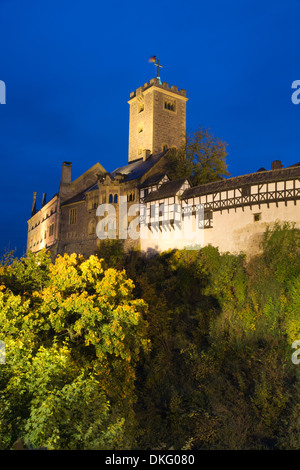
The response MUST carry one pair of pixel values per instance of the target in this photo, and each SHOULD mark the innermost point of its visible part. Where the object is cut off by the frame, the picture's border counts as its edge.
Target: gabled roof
(295, 164)
(259, 177)
(152, 180)
(167, 189)
(137, 168)
(79, 197)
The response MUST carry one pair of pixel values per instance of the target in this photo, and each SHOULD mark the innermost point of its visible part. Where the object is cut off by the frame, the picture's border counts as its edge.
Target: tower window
(170, 105)
(257, 217)
(115, 199)
(141, 107)
(140, 129)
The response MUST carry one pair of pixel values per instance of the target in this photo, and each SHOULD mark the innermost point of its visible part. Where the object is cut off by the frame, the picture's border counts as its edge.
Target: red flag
(152, 59)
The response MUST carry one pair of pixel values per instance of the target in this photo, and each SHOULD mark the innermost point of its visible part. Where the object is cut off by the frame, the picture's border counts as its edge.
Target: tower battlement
(156, 82)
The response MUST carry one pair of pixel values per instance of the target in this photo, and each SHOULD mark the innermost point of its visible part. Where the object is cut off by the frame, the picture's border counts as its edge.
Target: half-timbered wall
(234, 219)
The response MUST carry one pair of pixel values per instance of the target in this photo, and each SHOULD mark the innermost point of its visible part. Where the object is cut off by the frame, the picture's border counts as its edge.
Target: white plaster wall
(234, 230)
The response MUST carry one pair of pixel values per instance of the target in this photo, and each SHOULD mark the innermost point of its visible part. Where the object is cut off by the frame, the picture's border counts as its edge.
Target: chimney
(65, 179)
(66, 173)
(146, 154)
(33, 210)
(276, 165)
(44, 199)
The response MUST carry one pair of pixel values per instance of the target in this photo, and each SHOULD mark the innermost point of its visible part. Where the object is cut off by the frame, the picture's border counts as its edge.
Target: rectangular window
(208, 215)
(51, 230)
(245, 191)
(257, 217)
(72, 216)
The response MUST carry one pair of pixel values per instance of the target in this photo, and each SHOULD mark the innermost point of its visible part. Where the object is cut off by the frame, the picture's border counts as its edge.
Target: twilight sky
(69, 67)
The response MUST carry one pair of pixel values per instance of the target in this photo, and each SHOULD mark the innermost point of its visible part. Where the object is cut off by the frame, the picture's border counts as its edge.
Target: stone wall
(157, 119)
(43, 225)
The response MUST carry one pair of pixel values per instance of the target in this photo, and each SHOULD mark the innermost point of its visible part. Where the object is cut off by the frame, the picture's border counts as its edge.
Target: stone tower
(157, 119)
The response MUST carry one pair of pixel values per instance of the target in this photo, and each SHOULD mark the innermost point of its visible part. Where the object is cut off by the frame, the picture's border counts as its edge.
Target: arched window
(115, 199)
(110, 199)
(170, 105)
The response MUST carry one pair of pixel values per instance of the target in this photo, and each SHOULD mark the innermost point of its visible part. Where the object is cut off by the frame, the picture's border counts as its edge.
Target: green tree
(71, 352)
(202, 158)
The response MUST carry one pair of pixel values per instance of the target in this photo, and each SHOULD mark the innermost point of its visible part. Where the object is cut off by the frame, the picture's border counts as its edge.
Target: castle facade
(234, 212)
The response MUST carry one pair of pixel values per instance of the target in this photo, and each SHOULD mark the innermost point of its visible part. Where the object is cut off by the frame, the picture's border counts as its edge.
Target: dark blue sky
(69, 67)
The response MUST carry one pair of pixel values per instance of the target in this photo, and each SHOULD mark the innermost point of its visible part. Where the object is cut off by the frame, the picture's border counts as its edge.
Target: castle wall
(78, 229)
(233, 222)
(233, 231)
(237, 231)
(42, 227)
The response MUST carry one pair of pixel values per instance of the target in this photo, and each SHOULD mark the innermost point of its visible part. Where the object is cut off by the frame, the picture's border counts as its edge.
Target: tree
(71, 349)
(202, 158)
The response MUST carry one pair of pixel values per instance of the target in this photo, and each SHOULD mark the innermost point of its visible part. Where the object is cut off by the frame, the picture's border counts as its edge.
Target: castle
(235, 211)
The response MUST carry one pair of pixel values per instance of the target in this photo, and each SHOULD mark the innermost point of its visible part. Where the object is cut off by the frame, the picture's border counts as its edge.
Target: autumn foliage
(184, 350)
(72, 346)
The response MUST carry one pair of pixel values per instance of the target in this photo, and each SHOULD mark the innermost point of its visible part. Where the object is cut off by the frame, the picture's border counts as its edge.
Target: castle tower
(157, 119)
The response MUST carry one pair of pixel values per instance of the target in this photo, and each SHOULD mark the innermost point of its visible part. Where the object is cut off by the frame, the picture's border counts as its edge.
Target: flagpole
(157, 66)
